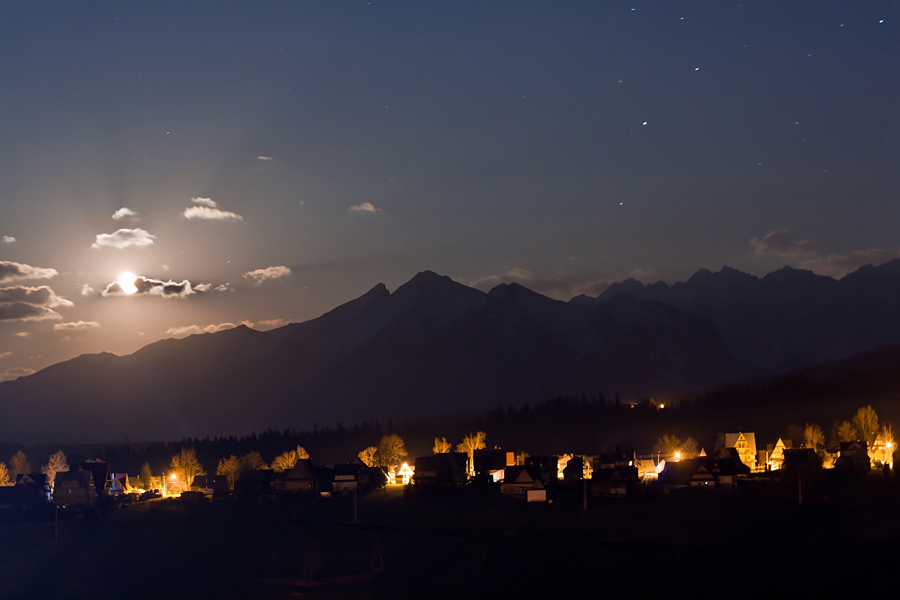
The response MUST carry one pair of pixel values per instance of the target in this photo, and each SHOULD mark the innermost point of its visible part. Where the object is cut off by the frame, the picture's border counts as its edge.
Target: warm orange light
(173, 476)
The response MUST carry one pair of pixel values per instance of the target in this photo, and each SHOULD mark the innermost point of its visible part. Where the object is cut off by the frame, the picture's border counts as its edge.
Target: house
(621, 457)
(745, 444)
(614, 481)
(519, 483)
(448, 468)
(101, 475)
(349, 477)
(491, 464)
(544, 468)
(854, 456)
(574, 470)
(33, 487)
(690, 472)
(726, 471)
(74, 488)
(773, 456)
(302, 477)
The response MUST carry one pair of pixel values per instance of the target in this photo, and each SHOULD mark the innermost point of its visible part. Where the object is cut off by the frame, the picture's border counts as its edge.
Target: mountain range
(436, 347)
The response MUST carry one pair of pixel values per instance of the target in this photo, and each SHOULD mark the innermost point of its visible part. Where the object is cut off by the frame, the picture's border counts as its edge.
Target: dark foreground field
(461, 544)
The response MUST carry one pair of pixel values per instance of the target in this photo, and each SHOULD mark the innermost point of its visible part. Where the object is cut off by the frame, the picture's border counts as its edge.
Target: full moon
(126, 282)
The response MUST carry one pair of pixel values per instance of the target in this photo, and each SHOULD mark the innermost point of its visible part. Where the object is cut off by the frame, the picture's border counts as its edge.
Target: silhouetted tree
(253, 461)
(391, 450)
(147, 476)
(186, 466)
(441, 446)
(19, 464)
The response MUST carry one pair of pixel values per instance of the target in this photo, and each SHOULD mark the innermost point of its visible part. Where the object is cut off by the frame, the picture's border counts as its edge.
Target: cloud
(225, 287)
(13, 271)
(87, 290)
(5, 354)
(267, 324)
(839, 265)
(8, 239)
(124, 213)
(260, 275)
(21, 334)
(781, 243)
(205, 202)
(365, 207)
(15, 373)
(152, 287)
(195, 329)
(210, 214)
(264, 158)
(20, 303)
(124, 238)
(76, 326)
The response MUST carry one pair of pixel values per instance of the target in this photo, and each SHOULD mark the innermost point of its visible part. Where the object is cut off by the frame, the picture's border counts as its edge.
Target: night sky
(263, 162)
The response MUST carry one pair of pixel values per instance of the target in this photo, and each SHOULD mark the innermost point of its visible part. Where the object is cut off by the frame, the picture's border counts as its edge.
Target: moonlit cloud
(267, 324)
(124, 238)
(210, 214)
(124, 213)
(264, 158)
(205, 202)
(87, 290)
(21, 334)
(260, 275)
(225, 287)
(13, 271)
(76, 326)
(195, 329)
(20, 303)
(5, 354)
(15, 373)
(781, 243)
(365, 207)
(8, 239)
(152, 287)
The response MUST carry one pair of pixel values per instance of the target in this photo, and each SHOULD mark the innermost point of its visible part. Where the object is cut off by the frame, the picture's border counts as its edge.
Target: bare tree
(391, 450)
(186, 467)
(668, 445)
(866, 421)
(230, 466)
(690, 448)
(813, 436)
(253, 461)
(441, 446)
(56, 464)
(562, 462)
(19, 464)
(367, 456)
(4, 475)
(846, 432)
(471, 443)
(287, 460)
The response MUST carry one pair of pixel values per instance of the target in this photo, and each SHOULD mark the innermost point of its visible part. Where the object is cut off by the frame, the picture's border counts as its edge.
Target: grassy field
(459, 543)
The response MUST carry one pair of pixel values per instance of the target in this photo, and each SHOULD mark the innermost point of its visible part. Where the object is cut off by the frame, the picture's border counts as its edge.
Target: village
(862, 445)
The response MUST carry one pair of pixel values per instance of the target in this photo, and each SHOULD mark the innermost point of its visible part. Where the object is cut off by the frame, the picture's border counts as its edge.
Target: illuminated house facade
(745, 444)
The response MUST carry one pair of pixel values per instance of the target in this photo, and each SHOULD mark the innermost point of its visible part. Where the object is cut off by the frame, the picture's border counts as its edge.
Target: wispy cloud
(13, 271)
(195, 329)
(5, 354)
(152, 287)
(124, 213)
(21, 334)
(267, 324)
(76, 326)
(20, 303)
(87, 290)
(8, 239)
(205, 202)
(365, 207)
(260, 157)
(210, 214)
(15, 373)
(124, 238)
(260, 275)
(780, 243)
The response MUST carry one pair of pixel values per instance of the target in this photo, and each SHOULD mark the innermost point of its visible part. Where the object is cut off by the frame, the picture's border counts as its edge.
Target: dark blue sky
(562, 145)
